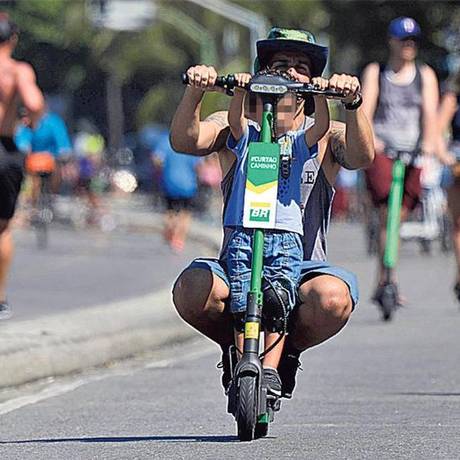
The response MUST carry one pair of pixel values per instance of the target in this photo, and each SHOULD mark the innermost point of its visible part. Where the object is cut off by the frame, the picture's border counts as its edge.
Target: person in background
(209, 179)
(449, 119)
(400, 98)
(17, 86)
(89, 147)
(48, 140)
(179, 184)
(345, 205)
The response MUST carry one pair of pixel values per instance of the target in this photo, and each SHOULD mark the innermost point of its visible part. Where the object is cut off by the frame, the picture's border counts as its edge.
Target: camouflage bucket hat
(299, 41)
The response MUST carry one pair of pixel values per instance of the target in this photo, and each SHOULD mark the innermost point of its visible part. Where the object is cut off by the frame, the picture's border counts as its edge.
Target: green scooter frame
(254, 409)
(389, 296)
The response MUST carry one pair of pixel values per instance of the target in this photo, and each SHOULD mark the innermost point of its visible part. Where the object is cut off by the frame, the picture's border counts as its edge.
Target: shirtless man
(327, 294)
(17, 85)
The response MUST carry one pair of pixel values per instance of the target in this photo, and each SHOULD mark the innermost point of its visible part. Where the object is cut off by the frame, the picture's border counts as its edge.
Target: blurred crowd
(85, 172)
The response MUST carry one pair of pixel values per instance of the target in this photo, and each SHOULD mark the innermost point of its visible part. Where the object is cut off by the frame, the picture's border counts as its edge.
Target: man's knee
(198, 293)
(331, 300)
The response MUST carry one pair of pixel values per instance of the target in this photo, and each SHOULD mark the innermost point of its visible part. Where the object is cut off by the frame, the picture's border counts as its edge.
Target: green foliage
(358, 30)
(73, 57)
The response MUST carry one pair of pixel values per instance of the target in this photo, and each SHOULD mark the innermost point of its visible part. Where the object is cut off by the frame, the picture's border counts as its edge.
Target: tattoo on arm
(218, 118)
(338, 147)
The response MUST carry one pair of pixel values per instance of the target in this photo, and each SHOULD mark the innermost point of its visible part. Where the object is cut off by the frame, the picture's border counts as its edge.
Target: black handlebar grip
(231, 81)
(220, 81)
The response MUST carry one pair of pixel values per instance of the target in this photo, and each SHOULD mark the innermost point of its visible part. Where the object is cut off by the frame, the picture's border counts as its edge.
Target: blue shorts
(309, 268)
(283, 255)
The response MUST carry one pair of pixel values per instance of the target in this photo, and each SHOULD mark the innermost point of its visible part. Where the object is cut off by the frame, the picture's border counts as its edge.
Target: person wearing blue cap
(327, 294)
(401, 99)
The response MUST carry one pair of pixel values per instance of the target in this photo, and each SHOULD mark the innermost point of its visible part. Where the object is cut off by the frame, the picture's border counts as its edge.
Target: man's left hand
(346, 84)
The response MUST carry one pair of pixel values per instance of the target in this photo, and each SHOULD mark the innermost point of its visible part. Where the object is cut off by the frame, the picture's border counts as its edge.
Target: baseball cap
(404, 27)
(299, 41)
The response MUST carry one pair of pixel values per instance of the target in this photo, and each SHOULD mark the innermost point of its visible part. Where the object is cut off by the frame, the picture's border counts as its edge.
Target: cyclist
(89, 148)
(326, 294)
(283, 251)
(401, 99)
(449, 116)
(17, 85)
(47, 145)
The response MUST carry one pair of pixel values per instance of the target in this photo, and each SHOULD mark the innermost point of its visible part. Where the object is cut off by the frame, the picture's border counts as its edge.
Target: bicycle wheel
(247, 407)
(446, 233)
(41, 224)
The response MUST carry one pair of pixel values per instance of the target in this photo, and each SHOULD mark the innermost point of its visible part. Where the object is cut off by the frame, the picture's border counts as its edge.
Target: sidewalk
(71, 342)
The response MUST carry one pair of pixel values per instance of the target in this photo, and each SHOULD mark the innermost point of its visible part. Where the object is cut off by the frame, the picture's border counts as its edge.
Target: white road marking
(60, 388)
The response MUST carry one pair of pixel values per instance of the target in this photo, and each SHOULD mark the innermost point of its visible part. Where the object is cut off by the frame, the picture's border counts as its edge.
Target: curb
(60, 344)
(65, 343)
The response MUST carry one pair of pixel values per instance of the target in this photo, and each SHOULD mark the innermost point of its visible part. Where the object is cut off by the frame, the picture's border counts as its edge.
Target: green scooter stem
(390, 256)
(258, 243)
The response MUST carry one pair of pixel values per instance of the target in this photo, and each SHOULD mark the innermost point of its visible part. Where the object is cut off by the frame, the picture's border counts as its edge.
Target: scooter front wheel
(247, 407)
(389, 301)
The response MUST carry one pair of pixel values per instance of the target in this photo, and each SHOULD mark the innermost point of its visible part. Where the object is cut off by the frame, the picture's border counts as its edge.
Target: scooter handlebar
(229, 82)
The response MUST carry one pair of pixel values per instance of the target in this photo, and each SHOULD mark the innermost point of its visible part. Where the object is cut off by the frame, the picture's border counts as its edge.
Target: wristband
(358, 100)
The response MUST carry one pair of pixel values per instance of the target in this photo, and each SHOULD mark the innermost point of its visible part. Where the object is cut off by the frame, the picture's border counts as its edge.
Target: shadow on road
(415, 393)
(190, 438)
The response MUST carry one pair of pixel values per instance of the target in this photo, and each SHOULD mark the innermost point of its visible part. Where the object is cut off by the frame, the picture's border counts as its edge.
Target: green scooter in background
(388, 297)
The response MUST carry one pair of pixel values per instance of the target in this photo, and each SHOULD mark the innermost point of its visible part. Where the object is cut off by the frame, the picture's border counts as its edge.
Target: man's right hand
(203, 77)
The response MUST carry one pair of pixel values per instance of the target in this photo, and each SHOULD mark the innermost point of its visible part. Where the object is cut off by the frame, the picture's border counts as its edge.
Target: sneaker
(226, 372)
(287, 369)
(273, 382)
(5, 310)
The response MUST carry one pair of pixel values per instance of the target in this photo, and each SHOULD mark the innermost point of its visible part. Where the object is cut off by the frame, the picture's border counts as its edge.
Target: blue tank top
(317, 195)
(288, 212)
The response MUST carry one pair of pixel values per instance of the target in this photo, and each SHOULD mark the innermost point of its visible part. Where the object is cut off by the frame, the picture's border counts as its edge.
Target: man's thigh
(325, 275)
(201, 279)
(379, 177)
(11, 176)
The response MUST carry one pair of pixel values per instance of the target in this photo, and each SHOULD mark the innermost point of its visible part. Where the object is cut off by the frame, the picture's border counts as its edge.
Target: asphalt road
(376, 391)
(87, 268)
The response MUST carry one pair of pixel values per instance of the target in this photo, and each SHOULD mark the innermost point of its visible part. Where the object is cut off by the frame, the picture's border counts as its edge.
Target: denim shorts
(283, 255)
(308, 269)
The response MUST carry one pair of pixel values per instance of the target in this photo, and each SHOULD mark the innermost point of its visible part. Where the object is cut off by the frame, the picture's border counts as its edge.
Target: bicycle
(430, 221)
(248, 399)
(42, 165)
